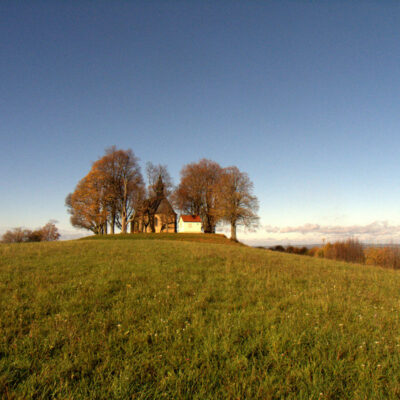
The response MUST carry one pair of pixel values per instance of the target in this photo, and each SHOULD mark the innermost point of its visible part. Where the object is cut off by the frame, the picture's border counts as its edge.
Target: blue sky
(304, 96)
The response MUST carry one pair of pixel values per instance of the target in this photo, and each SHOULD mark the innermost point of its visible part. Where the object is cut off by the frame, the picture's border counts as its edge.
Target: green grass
(144, 319)
(180, 237)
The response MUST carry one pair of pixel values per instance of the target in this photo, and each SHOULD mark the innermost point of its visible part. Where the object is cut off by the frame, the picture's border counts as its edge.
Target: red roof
(191, 218)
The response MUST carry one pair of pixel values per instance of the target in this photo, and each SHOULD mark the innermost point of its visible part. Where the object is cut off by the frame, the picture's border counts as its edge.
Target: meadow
(181, 319)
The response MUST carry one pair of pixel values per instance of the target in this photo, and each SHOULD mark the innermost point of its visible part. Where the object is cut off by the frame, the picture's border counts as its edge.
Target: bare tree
(236, 203)
(18, 235)
(49, 232)
(153, 173)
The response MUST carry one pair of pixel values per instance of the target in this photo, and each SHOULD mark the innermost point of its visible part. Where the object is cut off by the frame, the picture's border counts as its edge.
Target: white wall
(189, 227)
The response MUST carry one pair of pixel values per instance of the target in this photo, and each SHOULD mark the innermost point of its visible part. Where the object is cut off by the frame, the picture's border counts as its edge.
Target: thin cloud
(376, 228)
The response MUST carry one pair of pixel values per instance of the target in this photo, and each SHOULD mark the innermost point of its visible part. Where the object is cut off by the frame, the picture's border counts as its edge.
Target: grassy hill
(143, 319)
(181, 237)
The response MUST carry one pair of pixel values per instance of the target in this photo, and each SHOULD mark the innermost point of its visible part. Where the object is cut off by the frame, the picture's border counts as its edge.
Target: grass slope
(119, 319)
(180, 237)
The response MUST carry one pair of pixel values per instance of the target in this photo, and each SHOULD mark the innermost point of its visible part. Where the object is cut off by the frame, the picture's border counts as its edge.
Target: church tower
(159, 188)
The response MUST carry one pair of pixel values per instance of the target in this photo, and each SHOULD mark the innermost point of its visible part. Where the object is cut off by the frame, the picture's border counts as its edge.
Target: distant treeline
(350, 250)
(46, 233)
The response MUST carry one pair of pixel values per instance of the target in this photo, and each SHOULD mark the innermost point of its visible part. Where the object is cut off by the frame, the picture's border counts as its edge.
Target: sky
(303, 96)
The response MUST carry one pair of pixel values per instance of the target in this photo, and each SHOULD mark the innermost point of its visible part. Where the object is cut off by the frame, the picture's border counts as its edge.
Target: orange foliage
(88, 203)
(197, 192)
(350, 250)
(383, 256)
(110, 192)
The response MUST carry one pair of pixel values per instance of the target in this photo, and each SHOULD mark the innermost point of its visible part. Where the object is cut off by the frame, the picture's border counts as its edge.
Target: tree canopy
(197, 191)
(236, 203)
(114, 190)
(109, 194)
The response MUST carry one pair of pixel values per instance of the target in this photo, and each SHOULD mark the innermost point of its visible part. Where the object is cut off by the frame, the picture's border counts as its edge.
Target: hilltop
(118, 319)
(213, 238)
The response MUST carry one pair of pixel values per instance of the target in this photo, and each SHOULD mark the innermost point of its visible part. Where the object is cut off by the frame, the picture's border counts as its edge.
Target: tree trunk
(207, 225)
(233, 231)
(123, 223)
(124, 208)
(112, 224)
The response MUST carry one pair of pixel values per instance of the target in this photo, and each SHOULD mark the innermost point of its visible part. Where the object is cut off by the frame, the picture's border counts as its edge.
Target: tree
(49, 232)
(16, 235)
(236, 204)
(153, 173)
(197, 192)
(35, 236)
(111, 192)
(126, 187)
(88, 203)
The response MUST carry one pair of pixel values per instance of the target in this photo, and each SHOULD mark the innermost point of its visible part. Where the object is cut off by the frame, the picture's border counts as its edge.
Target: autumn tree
(197, 192)
(106, 170)
(111, 192)
(153, 173)
(88, 203)
(236, 203)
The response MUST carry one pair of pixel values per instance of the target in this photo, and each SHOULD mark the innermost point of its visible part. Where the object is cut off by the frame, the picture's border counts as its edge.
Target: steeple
(160, 187)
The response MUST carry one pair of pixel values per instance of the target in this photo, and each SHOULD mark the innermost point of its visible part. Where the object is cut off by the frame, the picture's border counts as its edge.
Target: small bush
(350, 250)
(388, 257)
(313, 251)
(277, 248)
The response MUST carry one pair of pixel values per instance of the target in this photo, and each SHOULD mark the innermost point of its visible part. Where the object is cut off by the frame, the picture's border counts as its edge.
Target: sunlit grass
(119, 319)
(185, 237)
